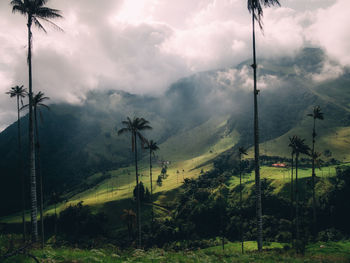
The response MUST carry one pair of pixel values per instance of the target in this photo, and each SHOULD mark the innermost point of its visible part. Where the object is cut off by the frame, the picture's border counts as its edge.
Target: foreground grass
(319, 252)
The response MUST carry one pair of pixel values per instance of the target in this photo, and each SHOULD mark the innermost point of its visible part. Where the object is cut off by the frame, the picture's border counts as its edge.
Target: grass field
(119, 187)
(122, 182)
(273, 252)
(191, 152)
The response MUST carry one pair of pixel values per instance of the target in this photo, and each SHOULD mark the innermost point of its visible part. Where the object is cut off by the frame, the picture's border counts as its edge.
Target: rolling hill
(196, 120)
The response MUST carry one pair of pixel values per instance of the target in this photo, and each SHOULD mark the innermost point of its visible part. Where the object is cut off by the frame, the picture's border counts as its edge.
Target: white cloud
(330, 30)
(143, 46)
(330, 70)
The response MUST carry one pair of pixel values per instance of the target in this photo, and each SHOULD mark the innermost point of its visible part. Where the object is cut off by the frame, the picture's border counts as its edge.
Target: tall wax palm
(255, 7)
(35, 11)
(299, 147)
(19, 92)
(135, 126)
(38, 100)
(316, 115)
(292, 145)
(152, 147)
(241, 152)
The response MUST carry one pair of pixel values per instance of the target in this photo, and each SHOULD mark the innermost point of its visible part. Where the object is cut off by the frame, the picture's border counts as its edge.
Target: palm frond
(255, 7)
(46, 12)
(142, 139)
(24, 107)
(38, 24)
(18, 7)
(242, 151)
(123, 130)
(316, 113)
(53, 24)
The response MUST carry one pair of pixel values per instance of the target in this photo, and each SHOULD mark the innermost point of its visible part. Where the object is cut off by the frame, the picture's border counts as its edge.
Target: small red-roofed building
(279, 165)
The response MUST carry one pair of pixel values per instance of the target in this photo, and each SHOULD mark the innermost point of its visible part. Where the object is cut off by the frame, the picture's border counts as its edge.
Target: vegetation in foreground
(273, 252)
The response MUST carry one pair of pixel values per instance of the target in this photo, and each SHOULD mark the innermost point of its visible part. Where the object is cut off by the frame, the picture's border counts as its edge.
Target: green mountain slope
(196, 120)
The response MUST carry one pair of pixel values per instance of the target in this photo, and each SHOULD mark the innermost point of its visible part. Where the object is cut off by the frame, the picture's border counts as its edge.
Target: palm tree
(255, 7)
(241, 152)
(19, 92)
(35, 11)
(38, 100)
(292, 145)
(316, 114)
(299, 147)
(135, 127)
(152, 147)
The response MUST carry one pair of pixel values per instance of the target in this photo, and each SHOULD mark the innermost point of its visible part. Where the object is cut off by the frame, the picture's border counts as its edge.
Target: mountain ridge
(80, 140)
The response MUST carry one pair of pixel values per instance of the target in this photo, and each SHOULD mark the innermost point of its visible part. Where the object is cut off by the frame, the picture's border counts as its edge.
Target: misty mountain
(79, 140)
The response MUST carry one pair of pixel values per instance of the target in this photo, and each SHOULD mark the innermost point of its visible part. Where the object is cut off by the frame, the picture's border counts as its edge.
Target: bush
(76, 222)
(330, 234)
(159, 180)
(145, 195)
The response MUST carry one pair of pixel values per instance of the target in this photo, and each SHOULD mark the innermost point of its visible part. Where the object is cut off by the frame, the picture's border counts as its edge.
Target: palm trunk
(291, 198)
(150, 175)
(138, 194)
(297, 199)
(20, 168)
(40, 177)
(240, 204)
(55, 230)
(222, 229)
(34, 208)
(313, 180)
(256, 148)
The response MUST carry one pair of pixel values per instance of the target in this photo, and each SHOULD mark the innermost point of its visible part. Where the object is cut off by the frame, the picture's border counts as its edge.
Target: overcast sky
(142, 46)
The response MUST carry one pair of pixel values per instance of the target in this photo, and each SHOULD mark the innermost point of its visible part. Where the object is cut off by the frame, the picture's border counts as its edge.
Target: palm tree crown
(242, 151)
(316, 113)
(292, 143)
(36, 10)
(298, 146)
(17, 91)
(256, 8)
(152, 146)
(135, 126)
(38, 100)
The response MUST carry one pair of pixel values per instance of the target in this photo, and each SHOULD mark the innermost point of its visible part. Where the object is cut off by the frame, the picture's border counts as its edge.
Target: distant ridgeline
(79, 140)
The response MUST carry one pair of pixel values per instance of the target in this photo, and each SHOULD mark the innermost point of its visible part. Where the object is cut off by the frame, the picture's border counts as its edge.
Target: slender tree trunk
(40, 177)
(20, 169)
(138, 194)
(291, 199)
(297, 199)
(150, 175)
(34, 207)
(256, 147)
(55, 220)
(313, 180)
(240, 204)
(222, 228)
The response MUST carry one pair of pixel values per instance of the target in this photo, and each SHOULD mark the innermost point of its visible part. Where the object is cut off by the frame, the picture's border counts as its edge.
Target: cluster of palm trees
(35, 11)
(38, 102)
(134, 127)
(298, 146)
